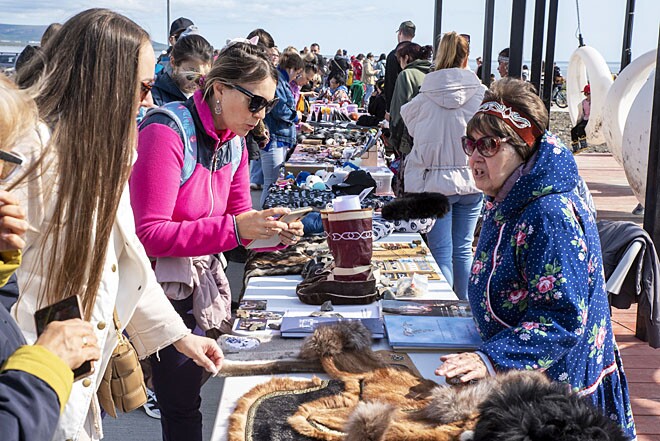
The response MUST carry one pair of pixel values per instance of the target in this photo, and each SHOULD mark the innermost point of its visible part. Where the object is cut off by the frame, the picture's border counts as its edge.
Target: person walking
(369, 77)
(436, 119)
(405, 33)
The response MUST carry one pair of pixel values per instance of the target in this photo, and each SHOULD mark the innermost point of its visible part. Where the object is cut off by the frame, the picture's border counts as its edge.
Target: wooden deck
(614, 200)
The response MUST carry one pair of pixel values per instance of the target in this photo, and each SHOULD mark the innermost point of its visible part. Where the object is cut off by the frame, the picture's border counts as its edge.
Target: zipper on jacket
(213, 166)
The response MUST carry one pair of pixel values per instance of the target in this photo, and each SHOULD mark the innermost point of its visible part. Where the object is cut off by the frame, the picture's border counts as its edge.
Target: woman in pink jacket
(191, 197)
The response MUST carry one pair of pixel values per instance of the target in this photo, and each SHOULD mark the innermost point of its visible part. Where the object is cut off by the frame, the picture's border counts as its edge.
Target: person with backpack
(190, 196)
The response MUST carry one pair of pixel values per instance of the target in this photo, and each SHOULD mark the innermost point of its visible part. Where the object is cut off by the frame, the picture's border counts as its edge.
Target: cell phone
(295, 215)
(69, 308)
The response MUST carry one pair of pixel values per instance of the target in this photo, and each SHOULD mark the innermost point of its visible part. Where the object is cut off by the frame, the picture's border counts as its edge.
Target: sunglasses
(256, 102)
(487, 146)
(11, 163)
(145, 88)
(467, 38)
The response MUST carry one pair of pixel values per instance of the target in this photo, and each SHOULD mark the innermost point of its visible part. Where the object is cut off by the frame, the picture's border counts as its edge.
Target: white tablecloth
(280, 291)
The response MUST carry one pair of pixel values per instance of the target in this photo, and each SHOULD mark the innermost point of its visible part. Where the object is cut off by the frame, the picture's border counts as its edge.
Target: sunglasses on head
(487, 146)
(145, 88)
(256, 102)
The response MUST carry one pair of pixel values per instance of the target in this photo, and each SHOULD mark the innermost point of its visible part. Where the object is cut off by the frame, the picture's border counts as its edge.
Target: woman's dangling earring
(217, 109)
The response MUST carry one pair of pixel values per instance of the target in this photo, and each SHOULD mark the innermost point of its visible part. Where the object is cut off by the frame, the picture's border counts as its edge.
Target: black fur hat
(416, 206)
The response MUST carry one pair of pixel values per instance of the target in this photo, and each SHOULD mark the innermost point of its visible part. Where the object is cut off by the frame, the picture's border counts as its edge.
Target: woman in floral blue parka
(537, 288)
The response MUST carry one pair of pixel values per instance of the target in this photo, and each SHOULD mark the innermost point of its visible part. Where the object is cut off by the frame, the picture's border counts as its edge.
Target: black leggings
(578, 132)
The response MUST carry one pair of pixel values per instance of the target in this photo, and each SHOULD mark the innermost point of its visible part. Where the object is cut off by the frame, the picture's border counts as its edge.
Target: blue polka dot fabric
(537, 287)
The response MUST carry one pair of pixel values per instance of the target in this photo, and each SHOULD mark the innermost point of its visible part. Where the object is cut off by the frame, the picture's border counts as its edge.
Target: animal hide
(369, 400)
(416, 206)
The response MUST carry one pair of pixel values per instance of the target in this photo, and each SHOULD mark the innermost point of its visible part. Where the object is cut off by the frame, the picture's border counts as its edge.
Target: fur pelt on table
(367, 400)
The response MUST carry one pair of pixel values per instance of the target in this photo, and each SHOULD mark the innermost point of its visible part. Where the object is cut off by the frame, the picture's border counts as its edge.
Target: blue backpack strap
(236, 145)
(182, 117)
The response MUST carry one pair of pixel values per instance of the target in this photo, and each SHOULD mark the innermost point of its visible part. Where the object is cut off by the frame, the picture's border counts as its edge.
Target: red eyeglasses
(487, 146)
(145, 88)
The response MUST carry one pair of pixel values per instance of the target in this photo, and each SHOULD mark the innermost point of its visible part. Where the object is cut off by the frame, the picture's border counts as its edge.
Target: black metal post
(437, 24)
(537, 45)
(550, 52)
(487, 54)
(517, 37)
(626, 52)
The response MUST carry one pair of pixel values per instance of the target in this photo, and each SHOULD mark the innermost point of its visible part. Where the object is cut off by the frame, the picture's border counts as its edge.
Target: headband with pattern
(517, 120)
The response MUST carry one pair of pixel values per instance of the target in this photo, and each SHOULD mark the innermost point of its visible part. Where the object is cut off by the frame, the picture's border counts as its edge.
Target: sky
(363, 26)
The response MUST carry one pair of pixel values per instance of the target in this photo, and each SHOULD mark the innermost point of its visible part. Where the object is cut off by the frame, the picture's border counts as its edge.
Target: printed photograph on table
(253, 305)
(300, 327)
(251, 325)
(439, 308)
(259, 314)
(406, 332)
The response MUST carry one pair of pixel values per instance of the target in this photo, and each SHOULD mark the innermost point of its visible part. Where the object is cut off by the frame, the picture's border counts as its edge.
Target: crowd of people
(124, 198)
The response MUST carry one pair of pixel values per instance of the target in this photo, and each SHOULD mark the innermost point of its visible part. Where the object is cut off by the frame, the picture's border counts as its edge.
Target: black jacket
(392, 71)
(165, 90)
(338, 64)
(642, 284)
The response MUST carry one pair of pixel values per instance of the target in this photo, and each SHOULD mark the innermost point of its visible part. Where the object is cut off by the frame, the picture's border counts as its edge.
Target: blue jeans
(450, 240)
(256, 174)
(367, 94)
(271, 161)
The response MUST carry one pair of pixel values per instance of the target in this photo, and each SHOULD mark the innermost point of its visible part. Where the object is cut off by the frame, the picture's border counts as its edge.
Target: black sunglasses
(256, 102)
(145, 88)
(11, 163)
(487, 146)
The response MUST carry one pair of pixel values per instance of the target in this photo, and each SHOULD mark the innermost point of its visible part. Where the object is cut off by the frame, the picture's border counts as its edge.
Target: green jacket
(407, 87)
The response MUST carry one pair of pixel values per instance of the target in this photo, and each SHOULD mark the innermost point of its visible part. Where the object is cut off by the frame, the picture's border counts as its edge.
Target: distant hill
(22, 35)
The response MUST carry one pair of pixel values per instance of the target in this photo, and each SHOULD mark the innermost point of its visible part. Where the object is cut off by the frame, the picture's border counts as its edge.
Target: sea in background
(563, 65)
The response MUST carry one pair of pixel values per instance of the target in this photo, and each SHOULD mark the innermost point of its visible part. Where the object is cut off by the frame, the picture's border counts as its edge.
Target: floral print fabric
(537, 287)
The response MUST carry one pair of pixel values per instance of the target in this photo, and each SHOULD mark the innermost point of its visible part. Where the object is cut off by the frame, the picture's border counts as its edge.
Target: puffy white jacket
(436, 119)
(128, 283)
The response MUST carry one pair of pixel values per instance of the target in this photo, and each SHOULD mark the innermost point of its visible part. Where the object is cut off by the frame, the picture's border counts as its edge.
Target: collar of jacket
(206, 118)
(554, 172)
(283, 74)
(165, 82)
(423, 66)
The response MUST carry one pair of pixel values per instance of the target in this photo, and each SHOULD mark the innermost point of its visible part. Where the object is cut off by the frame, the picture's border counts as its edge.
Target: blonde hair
(18, 113)
(453, 51)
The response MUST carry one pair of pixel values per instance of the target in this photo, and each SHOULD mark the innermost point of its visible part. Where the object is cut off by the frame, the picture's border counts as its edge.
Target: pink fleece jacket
(197, 218)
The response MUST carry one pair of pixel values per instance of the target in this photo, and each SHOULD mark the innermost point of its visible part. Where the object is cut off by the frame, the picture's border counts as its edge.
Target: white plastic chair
(615, 281)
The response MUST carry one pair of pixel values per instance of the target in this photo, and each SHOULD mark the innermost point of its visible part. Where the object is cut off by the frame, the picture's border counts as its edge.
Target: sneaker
(151, 406)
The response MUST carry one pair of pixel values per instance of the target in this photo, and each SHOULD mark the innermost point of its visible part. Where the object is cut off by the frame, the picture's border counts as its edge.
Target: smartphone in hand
(295, 215)
(69, 308)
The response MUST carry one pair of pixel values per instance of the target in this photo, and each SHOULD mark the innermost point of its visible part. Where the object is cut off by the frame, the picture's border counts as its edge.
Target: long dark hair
(192, 47)
(85, 84)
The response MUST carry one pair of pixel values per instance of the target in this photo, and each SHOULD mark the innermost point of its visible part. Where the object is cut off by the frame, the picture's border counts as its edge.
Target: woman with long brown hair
(88, 83)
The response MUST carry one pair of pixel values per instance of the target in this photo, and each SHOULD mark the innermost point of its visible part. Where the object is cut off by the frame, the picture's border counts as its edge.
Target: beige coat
(368, 72)
(128, 283)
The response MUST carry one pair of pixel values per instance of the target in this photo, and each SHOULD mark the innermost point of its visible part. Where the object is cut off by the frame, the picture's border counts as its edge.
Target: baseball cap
(407, 26)
(179, 25)
(587, 89)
